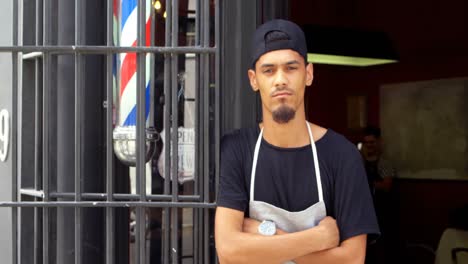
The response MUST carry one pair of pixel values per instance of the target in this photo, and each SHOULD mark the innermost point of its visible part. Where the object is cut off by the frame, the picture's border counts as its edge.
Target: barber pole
(126, 14)
(128, 62)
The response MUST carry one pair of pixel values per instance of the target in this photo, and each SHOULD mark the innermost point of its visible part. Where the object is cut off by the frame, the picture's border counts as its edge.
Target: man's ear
(309, 74)
(252, 79)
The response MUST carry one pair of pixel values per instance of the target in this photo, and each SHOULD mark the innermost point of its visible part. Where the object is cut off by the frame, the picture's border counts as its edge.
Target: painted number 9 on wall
(4, 134)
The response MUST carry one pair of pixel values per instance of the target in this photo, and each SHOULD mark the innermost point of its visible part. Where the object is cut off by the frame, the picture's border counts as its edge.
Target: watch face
(267, 228)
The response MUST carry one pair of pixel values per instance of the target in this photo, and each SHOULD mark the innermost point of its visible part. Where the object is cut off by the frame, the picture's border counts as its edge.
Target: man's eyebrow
(292, 62)
(266, 65)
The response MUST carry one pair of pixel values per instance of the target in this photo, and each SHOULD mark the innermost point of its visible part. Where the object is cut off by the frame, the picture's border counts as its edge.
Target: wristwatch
(267, 228)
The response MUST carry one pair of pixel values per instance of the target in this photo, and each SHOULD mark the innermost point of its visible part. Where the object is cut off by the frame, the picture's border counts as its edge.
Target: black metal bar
(140, 244)
(174, 102)
(206, 124)
(198, 254)
(197, 104)
(103, 196)
(195, 236)
(64, 49)
(217, 129)
(198, 132)
(197, 22)
(38, 106)
(151, 67)
(174, 134)
(14, 138)
(79, 121)
(206, 99)
(200, 235)
(141, 104)
(206, 235)
(97, 204)
(217, 110)
(37, 149)
(167, 127)
(110, 244)
(37, 236)
(39, 24)
(38, 127)
(217, 99)
(45, 133)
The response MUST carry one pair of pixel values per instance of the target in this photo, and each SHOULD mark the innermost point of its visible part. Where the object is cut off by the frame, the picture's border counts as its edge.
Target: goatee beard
(283, 114)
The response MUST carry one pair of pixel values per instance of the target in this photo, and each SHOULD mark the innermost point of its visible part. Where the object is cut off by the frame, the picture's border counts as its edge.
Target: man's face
(281, 77)
(371, 144)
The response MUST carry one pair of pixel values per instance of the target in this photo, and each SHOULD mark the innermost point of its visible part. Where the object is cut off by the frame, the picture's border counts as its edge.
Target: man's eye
(291, 68)
(268, 71)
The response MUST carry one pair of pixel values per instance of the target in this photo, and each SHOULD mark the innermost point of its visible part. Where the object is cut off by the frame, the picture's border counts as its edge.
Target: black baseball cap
(294, 39)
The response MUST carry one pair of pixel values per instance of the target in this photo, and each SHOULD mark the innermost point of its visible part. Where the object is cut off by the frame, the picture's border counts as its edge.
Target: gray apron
(285, 220)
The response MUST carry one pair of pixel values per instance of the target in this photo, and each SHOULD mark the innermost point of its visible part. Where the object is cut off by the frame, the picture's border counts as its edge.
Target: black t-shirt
(285, 177)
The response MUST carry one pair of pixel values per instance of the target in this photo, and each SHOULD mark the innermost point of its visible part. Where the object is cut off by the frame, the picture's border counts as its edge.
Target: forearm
(241, 247)
(334, 255)
(351, 251)
(343, 254)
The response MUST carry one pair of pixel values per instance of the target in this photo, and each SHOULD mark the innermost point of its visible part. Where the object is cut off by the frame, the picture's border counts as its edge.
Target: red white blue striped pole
(124, 135)
(128, 62)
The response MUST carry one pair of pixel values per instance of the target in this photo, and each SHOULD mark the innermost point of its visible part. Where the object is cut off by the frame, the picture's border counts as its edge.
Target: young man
(380, 172)
(289, 190)
(380, 175)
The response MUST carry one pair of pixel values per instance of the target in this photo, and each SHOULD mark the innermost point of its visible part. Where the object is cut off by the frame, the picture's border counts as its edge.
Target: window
(119, 130)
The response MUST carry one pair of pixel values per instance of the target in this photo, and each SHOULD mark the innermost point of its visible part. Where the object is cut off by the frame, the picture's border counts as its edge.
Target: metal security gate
(73, 200)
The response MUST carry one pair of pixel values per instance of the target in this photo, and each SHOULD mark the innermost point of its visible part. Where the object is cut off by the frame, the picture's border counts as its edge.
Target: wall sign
(186, 155)
(4, 134)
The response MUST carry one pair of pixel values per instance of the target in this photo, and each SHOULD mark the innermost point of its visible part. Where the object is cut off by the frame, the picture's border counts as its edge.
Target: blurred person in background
(380, 175)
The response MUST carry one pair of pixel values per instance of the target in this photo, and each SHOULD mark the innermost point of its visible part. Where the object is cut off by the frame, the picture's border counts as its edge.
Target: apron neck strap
(254, 165)
(316, 164)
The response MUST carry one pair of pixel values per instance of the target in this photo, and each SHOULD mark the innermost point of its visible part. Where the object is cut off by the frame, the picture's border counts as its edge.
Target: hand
(250, 226)
(330, 232)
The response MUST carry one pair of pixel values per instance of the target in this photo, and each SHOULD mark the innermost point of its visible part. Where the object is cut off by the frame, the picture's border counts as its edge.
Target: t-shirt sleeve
(232, 189)
(353, 205)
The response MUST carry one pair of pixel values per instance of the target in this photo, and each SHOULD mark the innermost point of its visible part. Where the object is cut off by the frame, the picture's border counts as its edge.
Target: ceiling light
(157, 5)
(345, 60)
(348, 47)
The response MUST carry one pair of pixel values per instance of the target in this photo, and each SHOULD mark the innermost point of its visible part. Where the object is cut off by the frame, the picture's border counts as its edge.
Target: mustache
(281, 89)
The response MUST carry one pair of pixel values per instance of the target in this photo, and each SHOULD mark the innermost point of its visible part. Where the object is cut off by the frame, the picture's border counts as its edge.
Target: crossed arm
(237, 241)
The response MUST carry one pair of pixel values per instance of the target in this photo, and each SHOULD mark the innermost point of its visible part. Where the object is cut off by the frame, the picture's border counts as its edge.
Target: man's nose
(280, 79)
